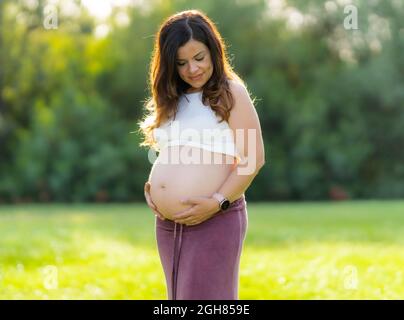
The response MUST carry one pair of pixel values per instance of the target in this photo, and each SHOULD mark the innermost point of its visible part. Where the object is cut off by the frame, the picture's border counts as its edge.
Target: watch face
(225, 205)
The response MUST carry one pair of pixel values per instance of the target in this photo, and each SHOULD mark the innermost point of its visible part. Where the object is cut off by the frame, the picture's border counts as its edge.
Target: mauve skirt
(201, 262)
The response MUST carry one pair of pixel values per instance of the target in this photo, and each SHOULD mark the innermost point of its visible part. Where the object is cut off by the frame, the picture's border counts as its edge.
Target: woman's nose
(192, 68)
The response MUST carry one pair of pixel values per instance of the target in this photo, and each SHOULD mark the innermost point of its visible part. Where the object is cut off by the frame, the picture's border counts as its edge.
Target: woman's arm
(246, 128)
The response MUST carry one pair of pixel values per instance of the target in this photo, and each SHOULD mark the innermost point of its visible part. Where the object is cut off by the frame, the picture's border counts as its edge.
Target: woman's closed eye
(183, 64)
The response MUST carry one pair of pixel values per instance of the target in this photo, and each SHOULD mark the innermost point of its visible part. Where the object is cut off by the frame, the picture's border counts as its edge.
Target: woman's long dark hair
(166, 84)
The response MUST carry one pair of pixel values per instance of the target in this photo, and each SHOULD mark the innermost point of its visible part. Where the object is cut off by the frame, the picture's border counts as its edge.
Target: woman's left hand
(202, 209)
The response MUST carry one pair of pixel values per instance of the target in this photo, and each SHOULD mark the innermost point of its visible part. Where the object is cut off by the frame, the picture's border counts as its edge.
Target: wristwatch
(224, 203)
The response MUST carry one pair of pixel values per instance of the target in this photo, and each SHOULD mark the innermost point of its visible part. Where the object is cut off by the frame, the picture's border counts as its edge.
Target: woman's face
(194, 64)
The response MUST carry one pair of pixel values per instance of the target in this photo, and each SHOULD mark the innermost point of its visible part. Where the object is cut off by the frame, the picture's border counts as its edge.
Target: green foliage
(330, 100)
(76, 150)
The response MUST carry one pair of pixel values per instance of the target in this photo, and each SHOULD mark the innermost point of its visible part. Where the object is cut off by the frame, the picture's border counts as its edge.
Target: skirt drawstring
(176, 258)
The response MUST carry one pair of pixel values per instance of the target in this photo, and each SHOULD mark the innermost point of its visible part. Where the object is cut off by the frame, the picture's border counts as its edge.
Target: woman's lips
(197, 77)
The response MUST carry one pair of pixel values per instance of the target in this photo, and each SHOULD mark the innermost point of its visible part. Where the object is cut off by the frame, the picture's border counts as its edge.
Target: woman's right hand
(150, 202)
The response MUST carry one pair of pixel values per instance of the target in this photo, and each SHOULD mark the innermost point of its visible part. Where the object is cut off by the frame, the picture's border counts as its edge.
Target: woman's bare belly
(170, 182)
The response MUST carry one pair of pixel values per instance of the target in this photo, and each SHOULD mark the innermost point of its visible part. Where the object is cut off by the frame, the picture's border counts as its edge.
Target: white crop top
(196, 125)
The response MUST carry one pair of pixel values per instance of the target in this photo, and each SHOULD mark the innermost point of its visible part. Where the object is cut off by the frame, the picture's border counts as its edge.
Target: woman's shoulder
(236, 85)
(238, 89)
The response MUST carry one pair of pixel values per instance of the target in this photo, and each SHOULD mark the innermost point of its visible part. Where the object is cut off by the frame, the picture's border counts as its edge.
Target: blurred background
(328, 82)
(327, 76)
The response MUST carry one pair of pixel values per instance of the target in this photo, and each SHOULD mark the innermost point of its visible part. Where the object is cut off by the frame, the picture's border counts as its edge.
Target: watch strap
(220, 198)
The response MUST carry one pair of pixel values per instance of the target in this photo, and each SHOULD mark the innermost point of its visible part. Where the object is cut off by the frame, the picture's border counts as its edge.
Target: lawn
(310, 250)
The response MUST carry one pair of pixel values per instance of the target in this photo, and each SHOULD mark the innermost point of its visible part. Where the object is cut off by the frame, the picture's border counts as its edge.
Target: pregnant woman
(204, 126)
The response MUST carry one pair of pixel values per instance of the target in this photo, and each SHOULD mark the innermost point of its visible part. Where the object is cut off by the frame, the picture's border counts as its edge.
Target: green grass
(345, 250)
